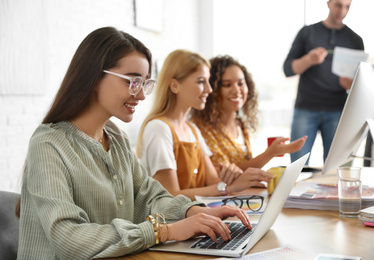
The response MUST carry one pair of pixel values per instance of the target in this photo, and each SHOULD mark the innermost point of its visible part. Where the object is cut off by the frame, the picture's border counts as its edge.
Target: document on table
(345, 61)
(281, 253)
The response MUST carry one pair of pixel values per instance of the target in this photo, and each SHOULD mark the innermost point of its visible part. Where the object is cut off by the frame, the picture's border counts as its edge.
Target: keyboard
(239, 233)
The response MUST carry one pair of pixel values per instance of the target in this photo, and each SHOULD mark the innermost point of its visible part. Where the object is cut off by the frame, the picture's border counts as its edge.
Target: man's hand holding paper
(345, 62)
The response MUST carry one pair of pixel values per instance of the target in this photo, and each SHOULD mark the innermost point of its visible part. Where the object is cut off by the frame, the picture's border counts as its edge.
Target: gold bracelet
(160, 217)
(162, 238)
(156, 220)
(151, 219)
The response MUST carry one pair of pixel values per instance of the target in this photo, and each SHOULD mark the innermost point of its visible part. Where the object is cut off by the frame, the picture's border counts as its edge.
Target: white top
(157, 146)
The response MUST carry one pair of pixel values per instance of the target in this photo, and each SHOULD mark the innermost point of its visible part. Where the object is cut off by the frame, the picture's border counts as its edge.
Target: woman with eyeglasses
(172, 148)
(84, 193)
(230, 116)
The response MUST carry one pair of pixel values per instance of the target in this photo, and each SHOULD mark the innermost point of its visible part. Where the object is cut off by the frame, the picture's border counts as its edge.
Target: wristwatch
(221, 187)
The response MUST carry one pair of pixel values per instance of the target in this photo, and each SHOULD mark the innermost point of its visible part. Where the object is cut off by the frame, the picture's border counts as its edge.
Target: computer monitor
(356, 119)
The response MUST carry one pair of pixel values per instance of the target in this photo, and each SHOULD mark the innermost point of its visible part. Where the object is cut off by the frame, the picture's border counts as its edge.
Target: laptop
(205, 246)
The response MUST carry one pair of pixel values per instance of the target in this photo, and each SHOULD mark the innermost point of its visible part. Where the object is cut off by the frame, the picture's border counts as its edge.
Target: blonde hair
(178, 65)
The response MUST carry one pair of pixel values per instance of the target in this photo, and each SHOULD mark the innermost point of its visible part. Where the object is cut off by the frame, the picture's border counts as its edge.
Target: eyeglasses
(136, 83)
(253, 202)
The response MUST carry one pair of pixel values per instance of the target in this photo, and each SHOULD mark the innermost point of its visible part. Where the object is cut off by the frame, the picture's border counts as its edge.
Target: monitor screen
(353, 124)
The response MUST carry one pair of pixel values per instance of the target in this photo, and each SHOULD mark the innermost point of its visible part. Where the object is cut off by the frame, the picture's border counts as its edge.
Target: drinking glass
(350, 191)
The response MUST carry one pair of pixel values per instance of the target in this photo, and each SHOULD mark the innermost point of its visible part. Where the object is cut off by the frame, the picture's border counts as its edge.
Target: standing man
(321, 95)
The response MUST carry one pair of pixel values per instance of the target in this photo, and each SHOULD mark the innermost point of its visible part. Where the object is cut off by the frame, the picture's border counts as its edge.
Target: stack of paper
(321, 196)
(367, 216)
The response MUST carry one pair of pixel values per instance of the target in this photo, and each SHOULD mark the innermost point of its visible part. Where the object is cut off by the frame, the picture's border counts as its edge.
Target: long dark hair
(100, 50)
(210, 115)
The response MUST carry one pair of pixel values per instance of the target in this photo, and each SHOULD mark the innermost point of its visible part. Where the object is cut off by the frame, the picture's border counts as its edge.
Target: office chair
(9, 225)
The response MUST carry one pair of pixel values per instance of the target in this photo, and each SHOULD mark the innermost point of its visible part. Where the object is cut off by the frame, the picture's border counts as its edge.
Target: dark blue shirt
(319, 88)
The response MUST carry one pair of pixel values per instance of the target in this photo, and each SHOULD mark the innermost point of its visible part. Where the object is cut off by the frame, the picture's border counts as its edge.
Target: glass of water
(350, 191)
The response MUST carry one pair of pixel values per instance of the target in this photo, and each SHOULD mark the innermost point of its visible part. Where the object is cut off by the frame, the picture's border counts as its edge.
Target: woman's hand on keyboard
(197, 225)
(203, 220)
(227, 211)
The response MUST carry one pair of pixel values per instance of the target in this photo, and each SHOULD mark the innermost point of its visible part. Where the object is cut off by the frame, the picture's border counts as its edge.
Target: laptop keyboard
(239, 233)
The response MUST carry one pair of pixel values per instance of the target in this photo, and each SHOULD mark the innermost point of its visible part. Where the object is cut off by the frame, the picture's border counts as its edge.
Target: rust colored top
(190, 162)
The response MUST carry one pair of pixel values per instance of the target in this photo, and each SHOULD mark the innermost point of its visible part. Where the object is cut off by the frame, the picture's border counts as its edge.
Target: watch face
(221, 186)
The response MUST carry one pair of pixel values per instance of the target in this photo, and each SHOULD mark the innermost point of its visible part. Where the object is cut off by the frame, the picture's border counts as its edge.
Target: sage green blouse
(80, 202)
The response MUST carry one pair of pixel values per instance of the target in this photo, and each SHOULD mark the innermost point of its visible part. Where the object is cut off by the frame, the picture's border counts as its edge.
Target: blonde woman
(172, 148)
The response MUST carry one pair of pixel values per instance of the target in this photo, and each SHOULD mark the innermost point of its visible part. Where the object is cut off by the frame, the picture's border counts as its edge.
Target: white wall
(260, 34)
(63, 24)
(38, 39)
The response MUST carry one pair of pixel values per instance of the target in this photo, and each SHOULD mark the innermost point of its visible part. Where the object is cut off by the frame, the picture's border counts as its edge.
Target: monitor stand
(370, 124)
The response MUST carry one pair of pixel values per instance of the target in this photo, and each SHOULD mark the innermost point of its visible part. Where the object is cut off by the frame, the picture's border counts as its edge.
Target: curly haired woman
(230, 115)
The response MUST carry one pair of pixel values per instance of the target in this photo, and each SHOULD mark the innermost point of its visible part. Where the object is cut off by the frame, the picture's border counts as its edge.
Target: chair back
(9, 225)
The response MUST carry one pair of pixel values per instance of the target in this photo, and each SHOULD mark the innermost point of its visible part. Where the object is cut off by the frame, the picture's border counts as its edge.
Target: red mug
(270, 140)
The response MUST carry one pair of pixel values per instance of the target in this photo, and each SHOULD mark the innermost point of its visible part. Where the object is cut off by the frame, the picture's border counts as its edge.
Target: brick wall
(64, 24)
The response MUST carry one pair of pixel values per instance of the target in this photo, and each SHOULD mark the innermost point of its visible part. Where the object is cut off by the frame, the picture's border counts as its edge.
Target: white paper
(336, 257)
(286, 252)
(369, 210)
(345, 61)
